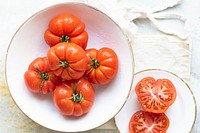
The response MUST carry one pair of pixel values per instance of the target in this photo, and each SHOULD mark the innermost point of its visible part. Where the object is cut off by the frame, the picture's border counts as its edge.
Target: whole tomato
(146, 122)
(66, 28)
(74, 98)
(102, 65)
(39, 78)
(67, 60)
(155, 95)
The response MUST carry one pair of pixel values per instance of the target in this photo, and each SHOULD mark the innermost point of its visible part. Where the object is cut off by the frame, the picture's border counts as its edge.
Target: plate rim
(62, 4)
(194, 99)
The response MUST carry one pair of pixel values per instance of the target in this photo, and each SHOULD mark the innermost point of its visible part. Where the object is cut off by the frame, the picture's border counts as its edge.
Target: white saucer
(182, 113)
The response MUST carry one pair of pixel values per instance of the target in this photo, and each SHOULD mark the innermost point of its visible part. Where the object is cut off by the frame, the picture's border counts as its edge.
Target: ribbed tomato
(39, 78)
(74, 98)
(67, 60)
(102, 65)
(155, 95)
(66, 28)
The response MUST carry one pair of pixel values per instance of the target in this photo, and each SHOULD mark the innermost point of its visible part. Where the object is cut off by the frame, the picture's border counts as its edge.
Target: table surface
(14, 13)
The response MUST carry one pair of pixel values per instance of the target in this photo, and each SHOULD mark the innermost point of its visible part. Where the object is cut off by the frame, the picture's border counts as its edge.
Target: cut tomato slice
(155, 95)
(147, 122)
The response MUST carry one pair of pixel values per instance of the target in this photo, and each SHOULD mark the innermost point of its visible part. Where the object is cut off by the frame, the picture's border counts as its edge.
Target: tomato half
(39, 78)
(102, 65)
(146, 122)
(67, 60)
(66, 28)
(155, 95)
(74, 98)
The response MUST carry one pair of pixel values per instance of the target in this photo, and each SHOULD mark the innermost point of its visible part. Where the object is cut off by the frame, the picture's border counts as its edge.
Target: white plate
(182, 113)
(28, 44)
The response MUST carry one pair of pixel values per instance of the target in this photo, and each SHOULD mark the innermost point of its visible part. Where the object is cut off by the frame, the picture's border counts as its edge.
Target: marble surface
(14, 13)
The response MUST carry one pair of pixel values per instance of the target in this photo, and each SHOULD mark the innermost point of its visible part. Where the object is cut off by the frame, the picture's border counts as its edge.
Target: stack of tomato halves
(155, 97)
(69, 69)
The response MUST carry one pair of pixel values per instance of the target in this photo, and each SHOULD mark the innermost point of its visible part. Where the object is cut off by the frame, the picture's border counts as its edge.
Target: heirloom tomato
(74, 98)
(147, 122)
(39, 78)
(67, 60)
(155, 95)
(66, 28)
(102, 65)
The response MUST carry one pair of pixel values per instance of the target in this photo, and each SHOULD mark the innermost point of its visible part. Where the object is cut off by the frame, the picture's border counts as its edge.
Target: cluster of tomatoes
(69, 69)
(155, 97)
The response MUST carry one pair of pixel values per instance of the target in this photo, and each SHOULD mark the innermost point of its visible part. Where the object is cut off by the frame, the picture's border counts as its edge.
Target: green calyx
(44, 76)
(64, 64)
(95, 63)
(64, 38)
(75, 96)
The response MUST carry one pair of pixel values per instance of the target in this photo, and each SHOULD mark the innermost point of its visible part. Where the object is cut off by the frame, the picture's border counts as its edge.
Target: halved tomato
(155, 95)
(146, 122)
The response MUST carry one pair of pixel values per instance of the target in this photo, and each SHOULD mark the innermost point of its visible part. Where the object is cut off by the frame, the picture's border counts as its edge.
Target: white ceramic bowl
(28, 44)
(181, 114)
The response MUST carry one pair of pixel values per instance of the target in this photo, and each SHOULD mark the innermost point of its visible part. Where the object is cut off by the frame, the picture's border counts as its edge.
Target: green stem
(76, 97)
(44, 76)
(64, 38)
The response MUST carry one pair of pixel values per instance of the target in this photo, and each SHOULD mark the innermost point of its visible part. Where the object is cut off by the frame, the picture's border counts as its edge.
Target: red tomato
(102, 65)
(155, 95)
(74, 98)
(66, 28)
(39, 78)
(146, 122)
(67, 60)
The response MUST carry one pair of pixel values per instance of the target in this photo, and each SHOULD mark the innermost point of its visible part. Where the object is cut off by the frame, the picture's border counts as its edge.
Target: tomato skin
(67, 60)
(64, 102)
(66, 25)
(102, 65)
(33, 78)
(155, 95)
(147, 122)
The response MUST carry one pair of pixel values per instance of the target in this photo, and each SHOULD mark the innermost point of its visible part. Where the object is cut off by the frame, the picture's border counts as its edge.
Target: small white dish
(28, 43)
(182, 113)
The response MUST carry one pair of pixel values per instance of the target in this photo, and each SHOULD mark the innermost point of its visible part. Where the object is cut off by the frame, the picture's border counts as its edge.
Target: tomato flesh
(155, 95)
(146, 122)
